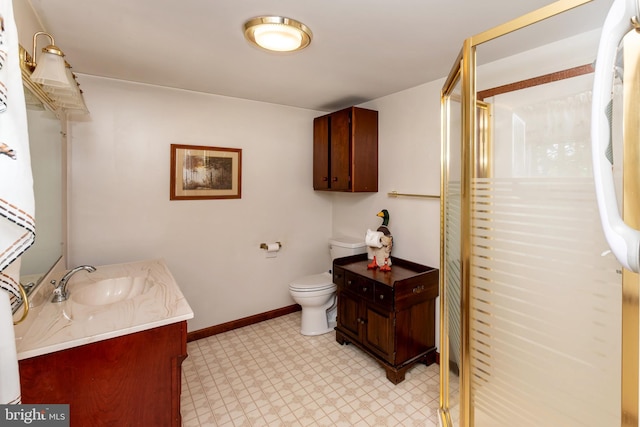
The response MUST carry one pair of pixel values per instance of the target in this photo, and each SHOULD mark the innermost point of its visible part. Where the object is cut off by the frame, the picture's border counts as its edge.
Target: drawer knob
(349, 282)
(381, 296)
(364, 289)
(418, 289)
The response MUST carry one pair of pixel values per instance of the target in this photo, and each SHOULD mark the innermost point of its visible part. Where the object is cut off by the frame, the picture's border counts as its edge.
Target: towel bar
(424, 196)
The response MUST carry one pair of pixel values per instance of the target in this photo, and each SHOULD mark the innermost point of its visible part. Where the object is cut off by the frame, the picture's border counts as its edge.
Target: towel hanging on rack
(17, 225)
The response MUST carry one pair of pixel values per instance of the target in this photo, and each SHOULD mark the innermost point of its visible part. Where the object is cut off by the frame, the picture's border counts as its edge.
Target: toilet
(316, 293)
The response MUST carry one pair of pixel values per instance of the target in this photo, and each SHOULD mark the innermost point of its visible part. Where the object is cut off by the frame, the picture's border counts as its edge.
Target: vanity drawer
(383, 295)
(359, 285)
(414, 292)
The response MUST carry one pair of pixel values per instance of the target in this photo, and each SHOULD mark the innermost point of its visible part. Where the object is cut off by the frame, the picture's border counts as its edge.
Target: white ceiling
(361, 49)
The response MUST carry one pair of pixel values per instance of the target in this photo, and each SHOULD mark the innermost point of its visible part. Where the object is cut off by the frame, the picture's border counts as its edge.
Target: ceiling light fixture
(276, 33)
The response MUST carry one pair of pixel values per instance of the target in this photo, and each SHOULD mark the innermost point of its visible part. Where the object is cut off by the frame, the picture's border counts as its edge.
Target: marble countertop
(51, 327)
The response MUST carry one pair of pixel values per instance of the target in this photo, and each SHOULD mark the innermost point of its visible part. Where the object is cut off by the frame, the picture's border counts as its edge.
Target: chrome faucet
(60, 289)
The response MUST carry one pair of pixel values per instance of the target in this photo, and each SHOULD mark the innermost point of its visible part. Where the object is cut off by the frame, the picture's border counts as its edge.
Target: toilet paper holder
(265, 246)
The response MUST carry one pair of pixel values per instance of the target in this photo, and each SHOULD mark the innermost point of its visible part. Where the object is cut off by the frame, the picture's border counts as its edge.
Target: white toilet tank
(345, 246)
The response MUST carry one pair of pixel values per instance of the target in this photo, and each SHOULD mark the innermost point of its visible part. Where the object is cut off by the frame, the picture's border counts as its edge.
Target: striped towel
(17, 225)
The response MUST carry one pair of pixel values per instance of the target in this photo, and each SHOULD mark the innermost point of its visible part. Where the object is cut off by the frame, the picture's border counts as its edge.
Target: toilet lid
(316, 282)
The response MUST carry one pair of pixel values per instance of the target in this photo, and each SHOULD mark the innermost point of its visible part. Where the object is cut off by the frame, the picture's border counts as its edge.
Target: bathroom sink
(110, 291)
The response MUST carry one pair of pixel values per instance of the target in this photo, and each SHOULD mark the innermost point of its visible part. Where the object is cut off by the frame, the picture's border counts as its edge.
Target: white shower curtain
(17, 225)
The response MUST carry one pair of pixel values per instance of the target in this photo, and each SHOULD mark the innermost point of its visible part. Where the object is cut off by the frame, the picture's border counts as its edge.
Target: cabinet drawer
(383, 295)
(359, 285)
(410, 293)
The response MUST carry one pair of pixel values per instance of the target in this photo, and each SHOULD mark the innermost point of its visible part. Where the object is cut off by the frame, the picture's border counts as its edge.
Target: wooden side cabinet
(133, 380)
(345, 151)
(389, 315)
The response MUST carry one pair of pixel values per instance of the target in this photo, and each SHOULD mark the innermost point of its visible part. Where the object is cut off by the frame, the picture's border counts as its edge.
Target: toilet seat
(313, 283)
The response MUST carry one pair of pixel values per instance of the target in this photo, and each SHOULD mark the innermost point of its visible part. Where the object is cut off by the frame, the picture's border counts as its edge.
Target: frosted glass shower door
(545, 297)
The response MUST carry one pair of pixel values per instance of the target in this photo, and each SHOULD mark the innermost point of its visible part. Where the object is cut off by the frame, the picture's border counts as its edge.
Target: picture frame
(201, 172)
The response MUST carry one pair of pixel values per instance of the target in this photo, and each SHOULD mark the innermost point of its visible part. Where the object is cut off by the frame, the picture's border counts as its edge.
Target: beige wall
(119, 207)
(27, 23)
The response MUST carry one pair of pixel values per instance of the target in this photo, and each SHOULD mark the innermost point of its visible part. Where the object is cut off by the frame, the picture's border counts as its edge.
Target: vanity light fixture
(277, 33)
(50, 69)
(54, 75)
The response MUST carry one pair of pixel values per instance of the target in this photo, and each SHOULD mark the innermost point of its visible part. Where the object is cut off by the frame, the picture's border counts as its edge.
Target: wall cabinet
(390, 315)
(345, 151)
(133, 380)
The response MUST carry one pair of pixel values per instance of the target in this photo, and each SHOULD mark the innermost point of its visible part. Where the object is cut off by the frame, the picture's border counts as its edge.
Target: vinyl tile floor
(268, 374)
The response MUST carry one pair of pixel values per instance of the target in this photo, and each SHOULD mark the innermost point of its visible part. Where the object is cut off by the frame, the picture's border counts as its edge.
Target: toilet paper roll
(273, 247)
(372, 239)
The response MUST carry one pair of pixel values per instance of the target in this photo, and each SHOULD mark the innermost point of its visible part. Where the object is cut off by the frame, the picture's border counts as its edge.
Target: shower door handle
(623, 240)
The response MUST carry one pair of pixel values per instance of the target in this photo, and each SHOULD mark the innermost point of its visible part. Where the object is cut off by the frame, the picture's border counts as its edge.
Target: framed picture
(205, 172)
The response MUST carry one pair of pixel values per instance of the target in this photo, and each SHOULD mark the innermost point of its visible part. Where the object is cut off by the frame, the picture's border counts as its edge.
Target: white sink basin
(110, 291)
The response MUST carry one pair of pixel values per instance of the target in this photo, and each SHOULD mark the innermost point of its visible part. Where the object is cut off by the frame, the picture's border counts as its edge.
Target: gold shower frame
(474, 161)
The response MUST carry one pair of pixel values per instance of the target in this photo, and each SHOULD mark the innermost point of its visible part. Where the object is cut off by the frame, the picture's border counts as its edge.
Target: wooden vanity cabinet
(345, 151)
(132, 380)
(389, 315)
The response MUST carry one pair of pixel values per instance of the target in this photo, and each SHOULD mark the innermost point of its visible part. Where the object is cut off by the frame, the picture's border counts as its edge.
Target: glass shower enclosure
(533, 306)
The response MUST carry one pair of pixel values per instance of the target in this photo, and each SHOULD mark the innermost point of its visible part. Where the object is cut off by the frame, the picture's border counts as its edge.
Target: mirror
(47, 162)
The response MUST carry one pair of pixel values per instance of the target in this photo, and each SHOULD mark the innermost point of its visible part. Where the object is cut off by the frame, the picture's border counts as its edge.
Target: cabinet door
(379, 335)
(349, 319)
(340, 149)
(321, 153)
(364, 150)
(415, 331)
(132, 380)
